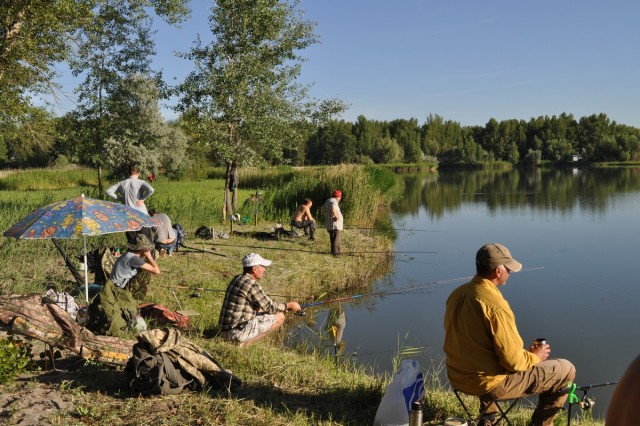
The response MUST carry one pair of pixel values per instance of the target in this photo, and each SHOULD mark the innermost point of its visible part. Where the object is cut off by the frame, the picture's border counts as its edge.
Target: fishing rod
(585, 403)
(380, 293)
(351, 253)
(213, 290)
(204, 251)
(402, 290)
(392, 229)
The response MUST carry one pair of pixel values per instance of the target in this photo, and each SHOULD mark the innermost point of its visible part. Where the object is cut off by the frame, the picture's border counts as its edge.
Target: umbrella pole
(86, 272)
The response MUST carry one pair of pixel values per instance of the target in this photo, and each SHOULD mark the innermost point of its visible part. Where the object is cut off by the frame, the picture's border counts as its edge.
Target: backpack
(181, 235)
(156, 373)
(112, 311)
(204, 232)
(166, 363)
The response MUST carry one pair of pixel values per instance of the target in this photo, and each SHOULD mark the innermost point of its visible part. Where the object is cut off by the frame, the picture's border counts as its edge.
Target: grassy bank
(282, 385)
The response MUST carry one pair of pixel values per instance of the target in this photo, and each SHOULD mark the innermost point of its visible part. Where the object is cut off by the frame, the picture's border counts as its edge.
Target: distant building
(576, 157)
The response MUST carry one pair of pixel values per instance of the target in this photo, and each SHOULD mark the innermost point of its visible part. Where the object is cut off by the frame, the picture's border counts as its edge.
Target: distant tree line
(241, 105)
(556, 139)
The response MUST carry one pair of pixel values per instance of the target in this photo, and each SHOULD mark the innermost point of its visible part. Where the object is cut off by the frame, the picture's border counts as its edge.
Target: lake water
(574, 230)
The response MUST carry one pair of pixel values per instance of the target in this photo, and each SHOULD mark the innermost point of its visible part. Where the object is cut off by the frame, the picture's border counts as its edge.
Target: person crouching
(247, 313)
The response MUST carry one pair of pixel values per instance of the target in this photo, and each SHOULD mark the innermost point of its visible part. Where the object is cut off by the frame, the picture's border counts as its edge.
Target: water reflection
(561, 190)
(574, 230)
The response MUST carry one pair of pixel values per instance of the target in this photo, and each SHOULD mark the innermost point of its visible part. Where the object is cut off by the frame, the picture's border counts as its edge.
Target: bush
(15, 356)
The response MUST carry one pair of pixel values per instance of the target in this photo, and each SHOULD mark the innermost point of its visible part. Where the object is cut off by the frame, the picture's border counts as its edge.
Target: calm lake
(574, 230)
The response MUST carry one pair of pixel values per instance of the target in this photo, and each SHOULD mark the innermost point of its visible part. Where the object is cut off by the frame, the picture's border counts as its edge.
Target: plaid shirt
(243, 300)
(328, 209)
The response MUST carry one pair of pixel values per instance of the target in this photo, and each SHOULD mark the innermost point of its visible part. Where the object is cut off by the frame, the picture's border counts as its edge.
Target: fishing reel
(586, 403)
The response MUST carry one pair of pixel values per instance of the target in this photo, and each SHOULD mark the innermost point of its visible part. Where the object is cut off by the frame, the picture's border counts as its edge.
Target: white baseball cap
(253, 259)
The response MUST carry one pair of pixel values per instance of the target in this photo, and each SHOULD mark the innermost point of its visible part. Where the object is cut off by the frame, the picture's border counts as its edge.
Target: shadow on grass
(347, 405)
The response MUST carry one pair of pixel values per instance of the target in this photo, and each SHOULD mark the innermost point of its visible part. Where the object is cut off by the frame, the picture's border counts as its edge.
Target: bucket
(455, 421)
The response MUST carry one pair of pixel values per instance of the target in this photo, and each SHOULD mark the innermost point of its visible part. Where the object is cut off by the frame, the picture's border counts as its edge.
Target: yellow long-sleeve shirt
(482, 344)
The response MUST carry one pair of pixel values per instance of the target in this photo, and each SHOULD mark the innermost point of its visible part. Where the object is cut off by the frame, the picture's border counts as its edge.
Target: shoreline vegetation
(282, 385)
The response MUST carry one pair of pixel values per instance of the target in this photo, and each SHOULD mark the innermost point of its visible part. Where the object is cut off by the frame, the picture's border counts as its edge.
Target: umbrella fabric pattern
(79, 216)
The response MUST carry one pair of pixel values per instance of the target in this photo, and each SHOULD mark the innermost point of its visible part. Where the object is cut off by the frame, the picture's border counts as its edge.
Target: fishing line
(402, 290)
(394, 229)
(345, 253)
(214, 290)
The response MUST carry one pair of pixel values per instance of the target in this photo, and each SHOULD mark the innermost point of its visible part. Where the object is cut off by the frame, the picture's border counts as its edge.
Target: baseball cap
(494, 255)
(253, 259)
(337, 193)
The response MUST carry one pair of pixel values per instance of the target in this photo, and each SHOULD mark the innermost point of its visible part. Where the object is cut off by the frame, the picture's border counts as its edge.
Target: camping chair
(503, 410)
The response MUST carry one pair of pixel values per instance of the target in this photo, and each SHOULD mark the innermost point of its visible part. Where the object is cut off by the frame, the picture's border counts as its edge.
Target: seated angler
(302, 219)
(247, 313)
(133, 269)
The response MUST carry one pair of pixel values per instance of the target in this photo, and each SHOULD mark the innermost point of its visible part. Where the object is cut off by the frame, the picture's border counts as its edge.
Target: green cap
(494, 254)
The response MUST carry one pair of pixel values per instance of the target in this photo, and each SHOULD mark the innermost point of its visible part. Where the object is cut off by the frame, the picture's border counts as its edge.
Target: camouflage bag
(164, 362)
(112, 311)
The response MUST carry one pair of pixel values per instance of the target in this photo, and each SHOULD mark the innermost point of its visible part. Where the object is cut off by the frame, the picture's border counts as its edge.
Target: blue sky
(466, 60)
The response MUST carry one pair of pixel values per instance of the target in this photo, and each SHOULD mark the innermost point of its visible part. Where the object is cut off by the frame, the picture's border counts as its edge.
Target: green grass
(282, 386)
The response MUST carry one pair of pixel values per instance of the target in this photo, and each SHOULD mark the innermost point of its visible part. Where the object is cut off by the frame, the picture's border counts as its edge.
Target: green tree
(29, 142)
(334, 143)
(386, 150)
(592, 131)
(140, 134)
(406, 133)
(557, 150)
(245, 83)
(116, 44)
(34, 35)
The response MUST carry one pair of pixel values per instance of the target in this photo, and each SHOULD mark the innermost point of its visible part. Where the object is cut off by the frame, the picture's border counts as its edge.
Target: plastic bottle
(415, 416)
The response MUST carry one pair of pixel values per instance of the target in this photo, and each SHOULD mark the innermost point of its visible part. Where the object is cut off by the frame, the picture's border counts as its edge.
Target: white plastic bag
(406, 387)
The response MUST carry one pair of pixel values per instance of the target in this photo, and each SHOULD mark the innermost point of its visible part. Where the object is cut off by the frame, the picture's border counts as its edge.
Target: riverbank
(282, 386)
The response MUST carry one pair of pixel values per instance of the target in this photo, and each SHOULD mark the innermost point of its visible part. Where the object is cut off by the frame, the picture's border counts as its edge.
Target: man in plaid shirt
(247, 313)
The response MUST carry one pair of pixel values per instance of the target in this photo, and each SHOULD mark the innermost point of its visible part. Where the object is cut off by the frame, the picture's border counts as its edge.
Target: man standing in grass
(133, 192)
(334, 221)
(302, 219)
(247, 313)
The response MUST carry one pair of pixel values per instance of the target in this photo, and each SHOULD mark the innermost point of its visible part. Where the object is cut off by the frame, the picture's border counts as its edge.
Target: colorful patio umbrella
(76, 217)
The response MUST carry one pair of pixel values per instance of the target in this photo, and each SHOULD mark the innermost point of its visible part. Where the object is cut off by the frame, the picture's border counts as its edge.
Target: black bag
(151, 374)
(204, 232)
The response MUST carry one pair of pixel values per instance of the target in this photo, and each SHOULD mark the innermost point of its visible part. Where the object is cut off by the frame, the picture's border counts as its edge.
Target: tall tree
(140, 134)
(117, 44)
(246, 82)
(34, 36)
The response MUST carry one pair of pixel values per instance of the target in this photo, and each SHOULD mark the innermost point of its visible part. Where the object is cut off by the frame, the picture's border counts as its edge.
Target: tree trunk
(101, 194)
(234, 184)
(226, 209)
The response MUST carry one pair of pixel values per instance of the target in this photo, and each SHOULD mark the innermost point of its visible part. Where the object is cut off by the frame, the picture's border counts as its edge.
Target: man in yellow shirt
(485, 354)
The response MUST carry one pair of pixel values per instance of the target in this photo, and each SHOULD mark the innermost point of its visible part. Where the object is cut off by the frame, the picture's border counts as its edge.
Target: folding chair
(509, 403)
